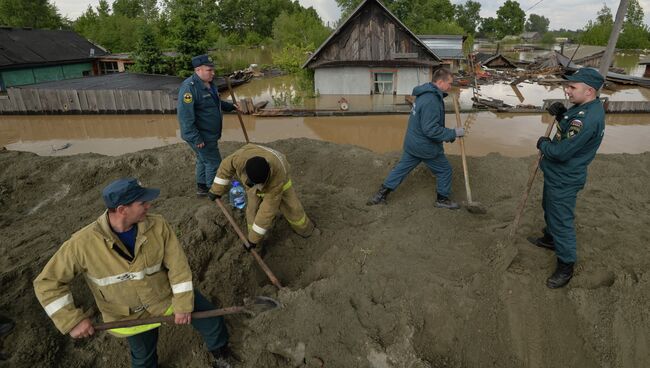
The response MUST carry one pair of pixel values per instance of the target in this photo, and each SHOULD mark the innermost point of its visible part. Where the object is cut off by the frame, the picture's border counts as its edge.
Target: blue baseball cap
(588, 76)
(126, 191)
(202, 60)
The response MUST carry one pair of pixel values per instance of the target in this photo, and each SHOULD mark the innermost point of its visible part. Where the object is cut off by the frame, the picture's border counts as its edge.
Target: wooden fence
(70, 101)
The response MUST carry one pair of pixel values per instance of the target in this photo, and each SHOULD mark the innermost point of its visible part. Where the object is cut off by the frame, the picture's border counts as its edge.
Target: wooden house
(372, 52)
(646, 73)
(494, 61)
(30, 56)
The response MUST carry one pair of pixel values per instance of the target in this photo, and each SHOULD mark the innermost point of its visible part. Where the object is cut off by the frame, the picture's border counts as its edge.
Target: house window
(108, 67)
(383, 83)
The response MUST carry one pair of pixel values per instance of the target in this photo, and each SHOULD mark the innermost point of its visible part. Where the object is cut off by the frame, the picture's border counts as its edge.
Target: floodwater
(508, 134)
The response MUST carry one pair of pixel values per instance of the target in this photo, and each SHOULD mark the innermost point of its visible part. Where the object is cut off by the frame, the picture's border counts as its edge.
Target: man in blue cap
(580, 130)
(200, 116)
(135, 269)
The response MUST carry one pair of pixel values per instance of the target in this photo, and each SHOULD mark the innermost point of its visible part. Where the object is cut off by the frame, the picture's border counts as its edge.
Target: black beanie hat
(257, 169)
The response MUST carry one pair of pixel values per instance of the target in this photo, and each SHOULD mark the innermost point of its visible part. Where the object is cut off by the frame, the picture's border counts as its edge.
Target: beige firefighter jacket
(157, 278)
(270, 192)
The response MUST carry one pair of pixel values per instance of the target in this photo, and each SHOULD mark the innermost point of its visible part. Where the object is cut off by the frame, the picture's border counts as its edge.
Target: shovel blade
(260, 304)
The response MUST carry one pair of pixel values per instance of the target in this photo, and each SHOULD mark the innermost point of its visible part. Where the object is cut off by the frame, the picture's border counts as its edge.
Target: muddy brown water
(511, 135)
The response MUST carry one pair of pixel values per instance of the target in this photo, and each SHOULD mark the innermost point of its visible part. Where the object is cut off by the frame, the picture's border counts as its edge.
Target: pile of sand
(403, 285)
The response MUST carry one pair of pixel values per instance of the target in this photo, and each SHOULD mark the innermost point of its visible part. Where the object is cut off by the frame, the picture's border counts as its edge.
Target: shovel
(472, 207)
(234, 100)
(252, 307)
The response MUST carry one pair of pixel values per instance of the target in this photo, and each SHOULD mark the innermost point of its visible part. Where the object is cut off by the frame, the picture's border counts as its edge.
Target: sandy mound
(403, 285)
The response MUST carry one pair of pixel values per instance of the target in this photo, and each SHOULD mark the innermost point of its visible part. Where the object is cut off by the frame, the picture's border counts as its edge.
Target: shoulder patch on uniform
(187, 97)
(576, 123)
(574, 128)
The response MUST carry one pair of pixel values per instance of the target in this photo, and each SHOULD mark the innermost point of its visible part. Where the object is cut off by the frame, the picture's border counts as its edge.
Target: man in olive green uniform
(135, 268)
(580, 131)
(265, 172)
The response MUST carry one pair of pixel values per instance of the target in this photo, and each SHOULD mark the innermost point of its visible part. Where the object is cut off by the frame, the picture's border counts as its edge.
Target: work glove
(213, 197)
(557, 109)
(542, 139)
(251, 247)
(460, 132)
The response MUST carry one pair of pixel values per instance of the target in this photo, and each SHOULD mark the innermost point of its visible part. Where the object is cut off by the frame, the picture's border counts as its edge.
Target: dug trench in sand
(402, 285)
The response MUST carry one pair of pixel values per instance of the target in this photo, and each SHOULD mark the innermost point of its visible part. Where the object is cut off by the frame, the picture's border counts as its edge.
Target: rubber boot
(202, 190)
(444, 202)
(379, 197)
(224, 358)
(545, 241)
(561, 276)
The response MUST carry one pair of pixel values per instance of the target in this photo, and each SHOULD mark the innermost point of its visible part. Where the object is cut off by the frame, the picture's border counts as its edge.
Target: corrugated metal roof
(445, 46)
(32, 47)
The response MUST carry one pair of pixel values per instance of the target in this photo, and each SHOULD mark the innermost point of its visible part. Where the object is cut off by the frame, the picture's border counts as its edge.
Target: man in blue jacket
(423, 142)
(580, 131)
(200, 116)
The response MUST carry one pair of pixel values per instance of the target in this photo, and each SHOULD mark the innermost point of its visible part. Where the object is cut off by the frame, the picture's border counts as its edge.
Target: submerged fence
(71, 101)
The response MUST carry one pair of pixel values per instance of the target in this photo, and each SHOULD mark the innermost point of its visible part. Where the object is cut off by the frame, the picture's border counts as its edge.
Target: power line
(534, 5)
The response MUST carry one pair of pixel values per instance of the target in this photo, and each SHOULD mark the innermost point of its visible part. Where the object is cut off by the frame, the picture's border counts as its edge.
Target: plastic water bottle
(237, 195)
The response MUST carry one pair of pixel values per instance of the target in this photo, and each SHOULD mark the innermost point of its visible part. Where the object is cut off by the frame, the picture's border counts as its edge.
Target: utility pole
(606, 61)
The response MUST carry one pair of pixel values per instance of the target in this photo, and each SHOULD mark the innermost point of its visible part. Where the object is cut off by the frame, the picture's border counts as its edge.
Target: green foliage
(634, 15)
(291, 57)
(489, 28)
(510, 19)
(537, 23)
(634, 37)
(188, 30)
(148, 56)
(300, 28)
(635, 34)
(243, 16)
(30, 13)
(115, 32)
(467, 16)
(548, 38)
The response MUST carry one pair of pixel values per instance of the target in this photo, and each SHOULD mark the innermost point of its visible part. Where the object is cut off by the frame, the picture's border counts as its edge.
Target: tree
(242, 16)
(302, 28)
(488, 28)
(30, 13)
(116, 32)
(148, 56)
(188, 25)
(537, 23)
(510, 19)
(634, 16)
(467, 16)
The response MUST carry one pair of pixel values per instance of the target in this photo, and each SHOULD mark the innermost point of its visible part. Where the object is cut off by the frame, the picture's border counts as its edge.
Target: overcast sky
(567, 14)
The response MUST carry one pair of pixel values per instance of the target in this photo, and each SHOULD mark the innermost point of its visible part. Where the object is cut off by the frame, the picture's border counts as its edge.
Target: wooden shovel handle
(166, 319)
(529, 185)
(260, 262)
(234, 100)
(462, 151)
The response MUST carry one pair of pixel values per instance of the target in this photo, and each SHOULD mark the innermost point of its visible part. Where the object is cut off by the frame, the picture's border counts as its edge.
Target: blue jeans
(208, 160)
(144, 351)
(438, 165)
(559, 203)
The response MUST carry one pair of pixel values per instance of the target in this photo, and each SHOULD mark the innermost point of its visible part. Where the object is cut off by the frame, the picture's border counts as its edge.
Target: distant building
(494, 61)
(449, 48)
(372, 52)
(646, 73)
(30, 56)
(531, 37)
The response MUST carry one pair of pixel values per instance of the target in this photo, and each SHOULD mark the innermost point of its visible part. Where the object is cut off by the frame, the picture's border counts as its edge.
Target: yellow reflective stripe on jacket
(299, 222)
(286, 186)
(130, 331)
